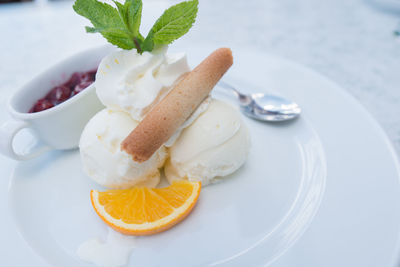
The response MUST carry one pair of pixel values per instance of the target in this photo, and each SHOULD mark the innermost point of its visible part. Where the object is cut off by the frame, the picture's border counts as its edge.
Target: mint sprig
(120, 26)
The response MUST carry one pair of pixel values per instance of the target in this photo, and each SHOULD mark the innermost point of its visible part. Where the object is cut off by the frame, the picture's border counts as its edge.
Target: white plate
(259, 213)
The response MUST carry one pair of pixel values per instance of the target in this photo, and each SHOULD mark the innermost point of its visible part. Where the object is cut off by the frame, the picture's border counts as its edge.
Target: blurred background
(355, 43)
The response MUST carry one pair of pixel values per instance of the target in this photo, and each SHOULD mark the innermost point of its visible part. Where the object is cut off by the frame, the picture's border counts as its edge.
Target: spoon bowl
(267, 107)
(264, 107)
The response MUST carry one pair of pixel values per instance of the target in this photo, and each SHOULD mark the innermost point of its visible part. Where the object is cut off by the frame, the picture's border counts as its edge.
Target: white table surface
(348, 41)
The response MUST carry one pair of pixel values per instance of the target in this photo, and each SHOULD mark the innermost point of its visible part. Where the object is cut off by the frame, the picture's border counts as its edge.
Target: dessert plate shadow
(309, 185)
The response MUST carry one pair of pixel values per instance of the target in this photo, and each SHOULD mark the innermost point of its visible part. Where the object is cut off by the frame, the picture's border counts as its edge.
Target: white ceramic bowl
(59, 127)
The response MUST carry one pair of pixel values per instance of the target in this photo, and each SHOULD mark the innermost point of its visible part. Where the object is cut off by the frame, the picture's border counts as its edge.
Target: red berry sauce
(78, 82)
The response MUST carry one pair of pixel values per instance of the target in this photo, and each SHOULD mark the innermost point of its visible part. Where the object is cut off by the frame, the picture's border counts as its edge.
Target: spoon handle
(243, 99)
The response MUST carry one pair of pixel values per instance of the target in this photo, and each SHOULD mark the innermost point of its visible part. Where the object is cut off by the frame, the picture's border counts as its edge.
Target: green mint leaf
(134, 16)
(91, 29)
(119, 38)
(122, 12)
(148, 43)
(106, 20)
(101, 15)
(131, 14)
(175, 22)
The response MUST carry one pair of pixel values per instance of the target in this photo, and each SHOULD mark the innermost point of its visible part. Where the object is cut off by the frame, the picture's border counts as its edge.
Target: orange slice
(146, 211)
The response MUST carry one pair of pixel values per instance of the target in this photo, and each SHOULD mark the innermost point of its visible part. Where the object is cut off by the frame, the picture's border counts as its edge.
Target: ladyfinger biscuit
(171, 112)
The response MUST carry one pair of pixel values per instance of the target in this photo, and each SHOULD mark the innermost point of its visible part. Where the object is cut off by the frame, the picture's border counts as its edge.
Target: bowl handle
(7, 133)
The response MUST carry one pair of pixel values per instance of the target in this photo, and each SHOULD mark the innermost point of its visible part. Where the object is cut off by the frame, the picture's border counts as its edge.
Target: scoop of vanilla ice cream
(103, 159)
(200, 109)
(215, 144)
(134, 83)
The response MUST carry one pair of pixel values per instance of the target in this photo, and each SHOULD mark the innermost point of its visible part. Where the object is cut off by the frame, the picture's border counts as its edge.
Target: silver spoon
(264, 107)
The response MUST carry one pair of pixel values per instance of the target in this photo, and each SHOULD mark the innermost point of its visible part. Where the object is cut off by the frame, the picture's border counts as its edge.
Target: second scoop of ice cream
(103, 160)
(216, 144)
